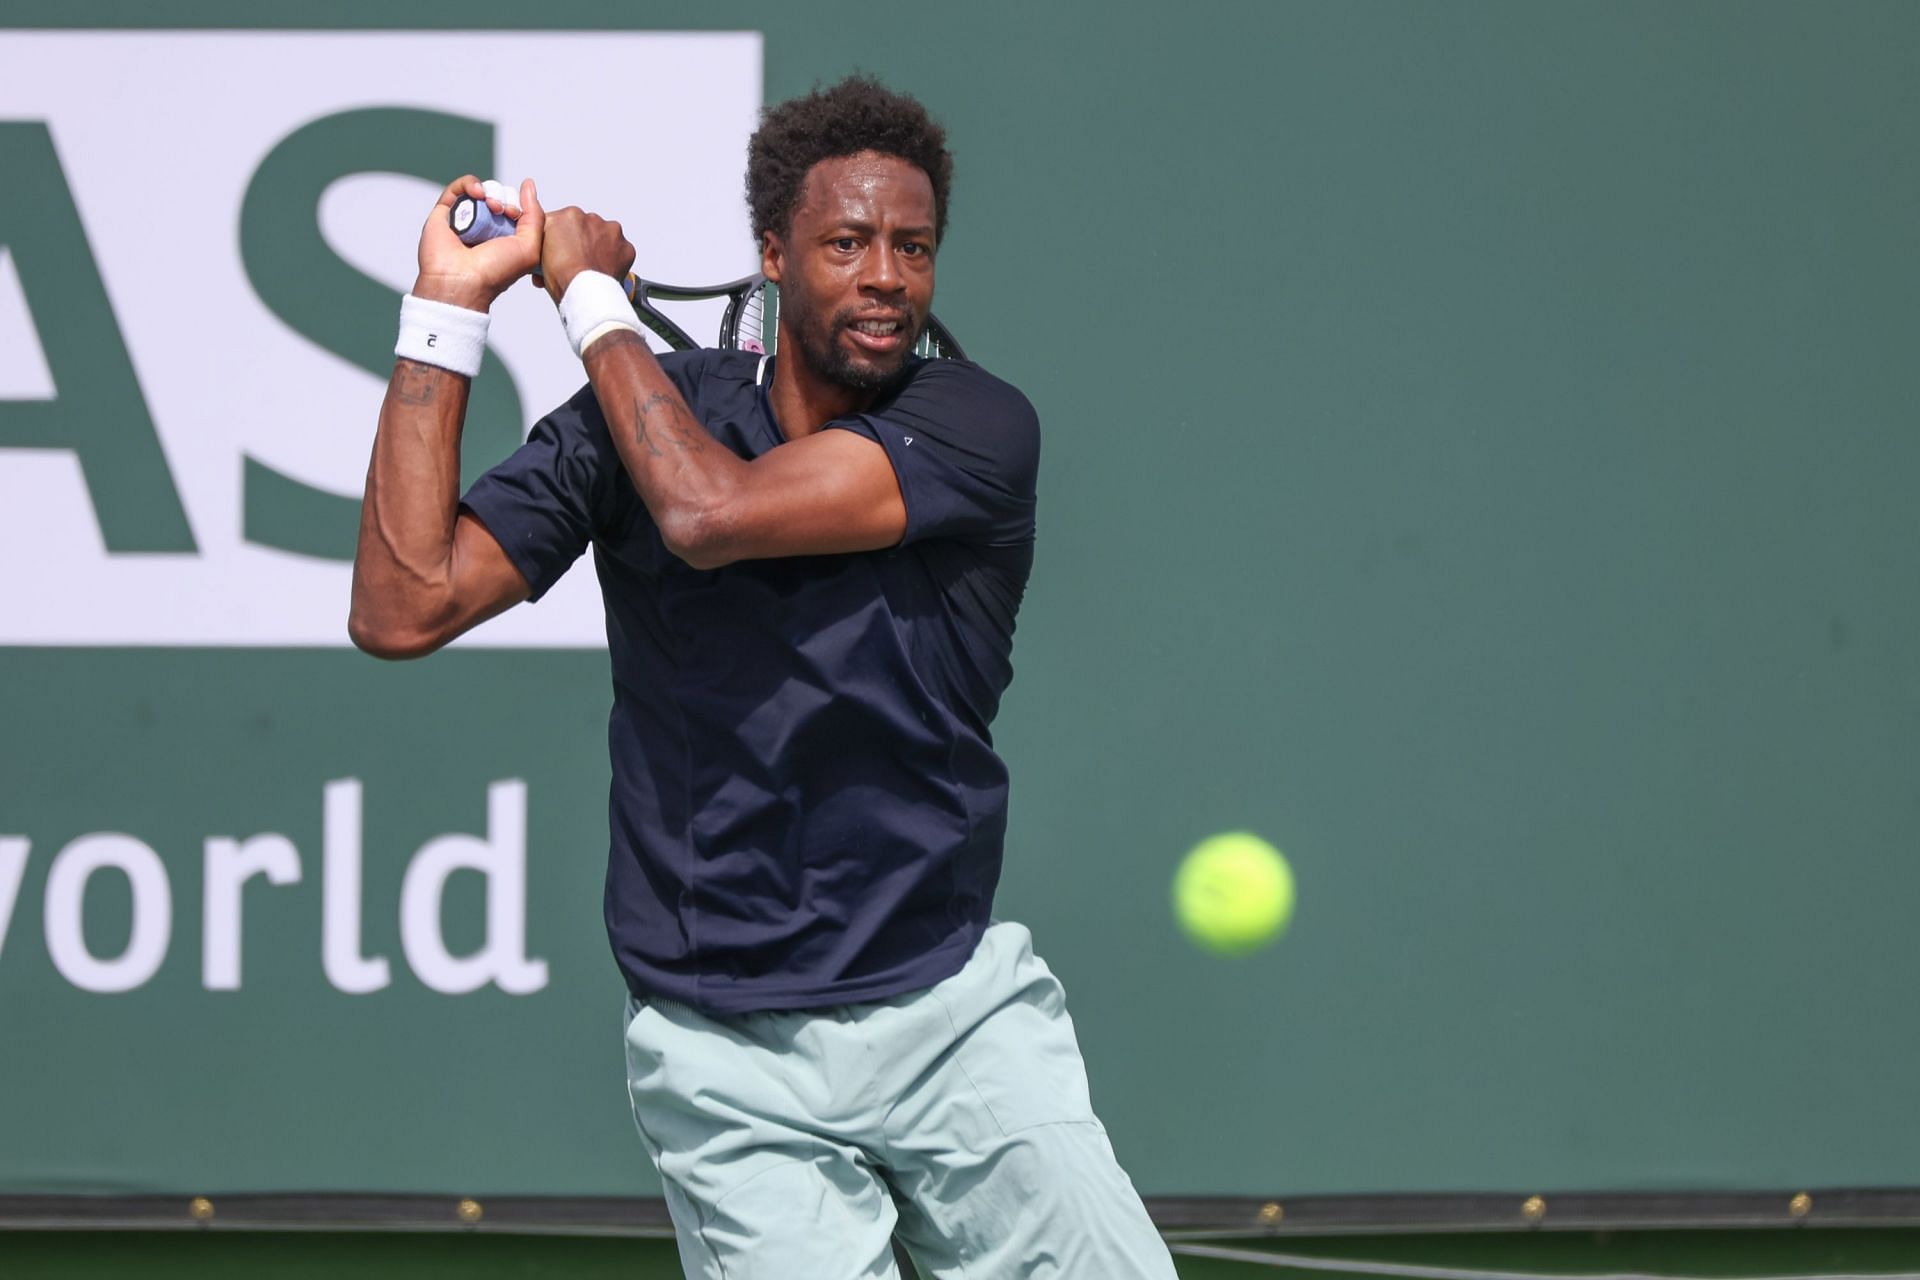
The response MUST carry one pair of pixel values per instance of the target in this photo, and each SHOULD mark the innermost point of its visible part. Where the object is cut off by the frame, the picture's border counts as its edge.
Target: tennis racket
(752, 317)
(750, 322)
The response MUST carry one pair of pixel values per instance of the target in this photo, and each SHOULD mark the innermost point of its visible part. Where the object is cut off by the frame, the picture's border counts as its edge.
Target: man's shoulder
(963, 382)
(961, 374)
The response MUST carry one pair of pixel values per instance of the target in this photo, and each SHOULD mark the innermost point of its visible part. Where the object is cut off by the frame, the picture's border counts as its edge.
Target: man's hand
(474, 277)
(577, 241)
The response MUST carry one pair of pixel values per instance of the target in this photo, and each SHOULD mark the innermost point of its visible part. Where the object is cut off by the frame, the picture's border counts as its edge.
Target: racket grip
(475, 223)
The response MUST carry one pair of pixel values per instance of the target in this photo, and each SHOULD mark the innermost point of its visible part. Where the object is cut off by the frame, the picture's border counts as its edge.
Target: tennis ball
(1233, 893)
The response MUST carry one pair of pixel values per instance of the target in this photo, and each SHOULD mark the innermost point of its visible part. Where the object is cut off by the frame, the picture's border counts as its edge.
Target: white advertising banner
(199, 280)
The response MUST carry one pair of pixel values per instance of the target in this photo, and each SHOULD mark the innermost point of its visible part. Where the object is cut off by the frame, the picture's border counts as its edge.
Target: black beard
(826, 358)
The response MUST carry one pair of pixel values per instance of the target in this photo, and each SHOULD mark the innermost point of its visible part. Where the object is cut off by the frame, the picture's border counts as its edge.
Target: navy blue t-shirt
(806, 806)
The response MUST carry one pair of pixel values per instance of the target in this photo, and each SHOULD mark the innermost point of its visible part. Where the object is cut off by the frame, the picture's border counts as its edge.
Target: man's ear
(772, 256)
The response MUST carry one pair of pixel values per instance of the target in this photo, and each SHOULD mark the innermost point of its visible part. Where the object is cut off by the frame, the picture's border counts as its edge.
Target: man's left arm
(827, 493)
(823, 494)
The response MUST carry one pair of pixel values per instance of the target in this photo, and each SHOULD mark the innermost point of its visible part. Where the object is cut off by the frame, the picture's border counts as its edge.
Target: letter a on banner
(97, 411)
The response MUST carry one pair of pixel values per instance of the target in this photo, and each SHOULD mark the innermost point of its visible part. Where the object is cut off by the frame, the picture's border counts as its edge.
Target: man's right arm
(425, 571)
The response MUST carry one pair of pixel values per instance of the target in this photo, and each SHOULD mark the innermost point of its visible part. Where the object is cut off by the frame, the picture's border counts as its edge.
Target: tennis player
(811, 566)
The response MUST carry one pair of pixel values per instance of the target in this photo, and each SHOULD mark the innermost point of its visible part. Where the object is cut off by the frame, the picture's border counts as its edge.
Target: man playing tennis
(811, 566)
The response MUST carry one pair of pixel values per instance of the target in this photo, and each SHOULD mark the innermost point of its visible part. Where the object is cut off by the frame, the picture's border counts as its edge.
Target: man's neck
(804, 402)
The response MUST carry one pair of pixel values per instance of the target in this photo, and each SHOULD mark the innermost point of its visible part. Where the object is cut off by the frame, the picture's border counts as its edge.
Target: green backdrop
(1480, 443)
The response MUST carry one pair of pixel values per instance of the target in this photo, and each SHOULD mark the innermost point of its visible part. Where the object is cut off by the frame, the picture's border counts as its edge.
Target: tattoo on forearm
(662, 415)
(640, 436)
(415, 383)
(660, 419)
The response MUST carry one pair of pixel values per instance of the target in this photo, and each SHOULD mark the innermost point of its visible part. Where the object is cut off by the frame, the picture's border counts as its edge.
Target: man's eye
(913, 249)
(846, 244)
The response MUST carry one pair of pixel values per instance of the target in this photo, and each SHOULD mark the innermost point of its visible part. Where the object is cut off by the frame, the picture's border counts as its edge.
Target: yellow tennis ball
(1233, 893)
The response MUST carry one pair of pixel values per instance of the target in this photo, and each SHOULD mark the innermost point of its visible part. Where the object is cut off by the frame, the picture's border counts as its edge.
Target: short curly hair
(858, 114)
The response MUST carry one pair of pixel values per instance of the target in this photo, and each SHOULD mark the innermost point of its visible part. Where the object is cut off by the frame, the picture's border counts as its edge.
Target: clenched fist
(473, 277)
(577, 241)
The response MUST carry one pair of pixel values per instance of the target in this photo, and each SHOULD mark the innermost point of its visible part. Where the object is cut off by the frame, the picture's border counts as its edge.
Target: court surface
(218, 1254)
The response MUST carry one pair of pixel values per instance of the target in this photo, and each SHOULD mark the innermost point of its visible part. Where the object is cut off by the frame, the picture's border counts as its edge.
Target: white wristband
(593, 306)
(441, 334)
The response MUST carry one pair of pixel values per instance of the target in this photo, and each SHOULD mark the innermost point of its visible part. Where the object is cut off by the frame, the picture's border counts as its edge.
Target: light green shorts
(794, 1145)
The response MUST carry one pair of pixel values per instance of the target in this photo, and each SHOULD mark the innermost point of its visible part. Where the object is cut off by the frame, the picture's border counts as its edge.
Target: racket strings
(751, 319)
(751, 332)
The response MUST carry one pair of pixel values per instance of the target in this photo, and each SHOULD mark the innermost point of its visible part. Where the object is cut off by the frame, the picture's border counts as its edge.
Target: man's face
(855, 268)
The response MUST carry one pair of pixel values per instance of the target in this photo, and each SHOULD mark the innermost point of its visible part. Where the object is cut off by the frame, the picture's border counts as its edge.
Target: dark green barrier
(1479, 456)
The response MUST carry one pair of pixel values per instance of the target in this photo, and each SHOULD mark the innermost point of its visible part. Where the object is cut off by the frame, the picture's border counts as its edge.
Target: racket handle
(475, 223)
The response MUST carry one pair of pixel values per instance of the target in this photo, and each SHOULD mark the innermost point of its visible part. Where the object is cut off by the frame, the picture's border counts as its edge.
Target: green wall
(1480, 443)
